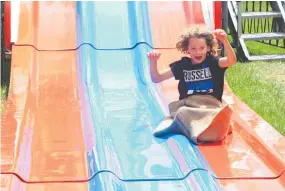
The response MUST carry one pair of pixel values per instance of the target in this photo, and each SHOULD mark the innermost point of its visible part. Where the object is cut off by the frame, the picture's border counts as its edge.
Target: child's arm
(230, 58)
(156, 77)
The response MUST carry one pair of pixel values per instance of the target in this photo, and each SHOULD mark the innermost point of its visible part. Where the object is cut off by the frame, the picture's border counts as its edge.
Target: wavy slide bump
(81, 107)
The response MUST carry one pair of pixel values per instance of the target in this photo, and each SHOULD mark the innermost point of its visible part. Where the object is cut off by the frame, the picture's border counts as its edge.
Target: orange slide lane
(47, 25)
(41, 131)
(245, 154)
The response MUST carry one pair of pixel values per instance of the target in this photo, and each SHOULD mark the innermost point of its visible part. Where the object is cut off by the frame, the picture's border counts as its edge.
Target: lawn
(4, 91)
(261, 85)
(5, 78)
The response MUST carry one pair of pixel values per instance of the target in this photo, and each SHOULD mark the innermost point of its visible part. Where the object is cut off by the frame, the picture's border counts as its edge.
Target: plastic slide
(81, 107)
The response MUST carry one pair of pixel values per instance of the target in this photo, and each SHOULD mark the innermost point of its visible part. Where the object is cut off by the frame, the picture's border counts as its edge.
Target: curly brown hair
(196, 31)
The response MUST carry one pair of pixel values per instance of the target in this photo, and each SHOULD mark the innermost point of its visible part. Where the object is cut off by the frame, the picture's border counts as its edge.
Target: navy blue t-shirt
(206, 78)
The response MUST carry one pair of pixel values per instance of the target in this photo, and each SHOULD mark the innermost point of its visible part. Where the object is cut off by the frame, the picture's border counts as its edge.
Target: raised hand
(153, 55)
(220, 35)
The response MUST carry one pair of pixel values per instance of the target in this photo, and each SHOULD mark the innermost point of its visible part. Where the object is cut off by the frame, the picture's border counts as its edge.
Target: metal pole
(225, 15)
(1, 41)
(239, 20)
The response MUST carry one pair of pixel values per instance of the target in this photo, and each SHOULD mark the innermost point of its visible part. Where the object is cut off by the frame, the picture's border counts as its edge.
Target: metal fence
(262, 24)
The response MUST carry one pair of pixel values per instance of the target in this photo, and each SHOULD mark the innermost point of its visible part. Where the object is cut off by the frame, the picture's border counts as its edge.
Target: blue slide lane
(126, 108)
(112, 25)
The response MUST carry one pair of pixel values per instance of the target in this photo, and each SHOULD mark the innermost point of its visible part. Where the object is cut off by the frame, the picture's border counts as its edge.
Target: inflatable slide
(81, 106)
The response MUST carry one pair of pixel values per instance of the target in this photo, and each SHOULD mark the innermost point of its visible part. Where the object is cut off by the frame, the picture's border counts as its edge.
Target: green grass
(257, 48)
(254, 6)
(4, 92)
(5, 80)
(261, 85)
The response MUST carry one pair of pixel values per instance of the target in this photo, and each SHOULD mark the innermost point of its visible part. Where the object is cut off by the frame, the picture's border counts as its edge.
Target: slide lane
(125, 108)
(112, 25)
(169, 19)
(47, 25)
(43, 138)
(244, 154)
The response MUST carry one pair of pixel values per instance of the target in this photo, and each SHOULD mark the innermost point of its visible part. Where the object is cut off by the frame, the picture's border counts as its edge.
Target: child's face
(198, 49)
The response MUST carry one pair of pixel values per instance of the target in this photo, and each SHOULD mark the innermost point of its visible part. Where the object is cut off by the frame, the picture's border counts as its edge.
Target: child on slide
(199, 114)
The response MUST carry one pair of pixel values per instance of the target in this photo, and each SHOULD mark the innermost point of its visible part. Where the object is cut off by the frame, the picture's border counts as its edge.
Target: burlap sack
(201, 118)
